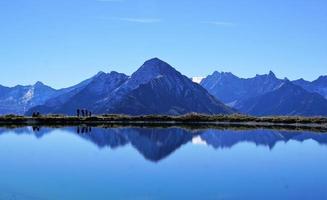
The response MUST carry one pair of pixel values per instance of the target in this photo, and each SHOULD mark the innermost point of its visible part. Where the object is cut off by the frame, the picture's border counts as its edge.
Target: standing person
(78, 112)
(83, 113)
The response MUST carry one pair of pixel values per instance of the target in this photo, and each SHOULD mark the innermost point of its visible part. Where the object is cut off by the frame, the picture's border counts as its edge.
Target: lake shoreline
(192, 121)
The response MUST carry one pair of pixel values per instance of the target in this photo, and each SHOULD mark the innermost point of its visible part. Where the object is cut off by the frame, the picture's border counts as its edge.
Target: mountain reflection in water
(156, 144)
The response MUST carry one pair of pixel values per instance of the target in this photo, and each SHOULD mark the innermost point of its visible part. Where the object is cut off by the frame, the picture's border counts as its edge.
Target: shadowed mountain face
(318, 86)
(84, 95)
(268, 95)
(157, 144)
(233, 90)
(155, 88)
(63, 95)
(289, 99)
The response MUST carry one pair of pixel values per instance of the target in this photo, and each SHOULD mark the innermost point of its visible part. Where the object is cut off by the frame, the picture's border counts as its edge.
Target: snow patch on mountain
(197, 79)
(28, 96)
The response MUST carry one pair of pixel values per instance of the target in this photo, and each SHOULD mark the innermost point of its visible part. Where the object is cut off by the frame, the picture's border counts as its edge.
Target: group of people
(36, 114)
(83, 113)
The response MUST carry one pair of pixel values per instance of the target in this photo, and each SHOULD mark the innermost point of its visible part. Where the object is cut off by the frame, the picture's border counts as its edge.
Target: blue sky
(61, 42)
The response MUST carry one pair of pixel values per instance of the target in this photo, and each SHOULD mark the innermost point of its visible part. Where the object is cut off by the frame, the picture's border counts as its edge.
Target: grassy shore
(191, 120)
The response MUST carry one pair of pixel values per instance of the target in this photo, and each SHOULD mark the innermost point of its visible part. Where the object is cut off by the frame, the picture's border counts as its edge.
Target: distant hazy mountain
(233, 90)
(268, 95)
(18, 99)
(319, 85)
(289, 99)
(157, 88)
(84, 95)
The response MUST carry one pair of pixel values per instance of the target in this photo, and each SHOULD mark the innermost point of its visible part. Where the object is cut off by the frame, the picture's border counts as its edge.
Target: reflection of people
(84, 129)
(36, 128)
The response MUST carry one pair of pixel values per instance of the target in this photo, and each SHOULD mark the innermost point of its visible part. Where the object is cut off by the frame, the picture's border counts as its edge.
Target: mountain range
(157, 88)
(267, 95)
(19, 99)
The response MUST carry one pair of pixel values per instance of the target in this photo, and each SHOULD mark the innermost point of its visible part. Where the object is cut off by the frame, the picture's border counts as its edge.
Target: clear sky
(61, 42)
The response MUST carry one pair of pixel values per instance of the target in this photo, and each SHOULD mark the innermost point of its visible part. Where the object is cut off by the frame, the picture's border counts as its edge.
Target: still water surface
(170, 163)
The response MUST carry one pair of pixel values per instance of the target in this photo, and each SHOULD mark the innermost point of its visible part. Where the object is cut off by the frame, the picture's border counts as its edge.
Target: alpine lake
(161, 163)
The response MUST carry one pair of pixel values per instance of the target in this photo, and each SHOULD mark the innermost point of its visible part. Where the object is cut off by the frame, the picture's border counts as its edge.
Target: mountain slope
(18, 99)
(233, 90)
(319, 85)
(83, 95)
(289, 99)
(63, 95)
(157, 88)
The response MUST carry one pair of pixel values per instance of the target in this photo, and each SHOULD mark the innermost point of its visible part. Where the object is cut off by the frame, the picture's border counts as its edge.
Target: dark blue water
(172, 163)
